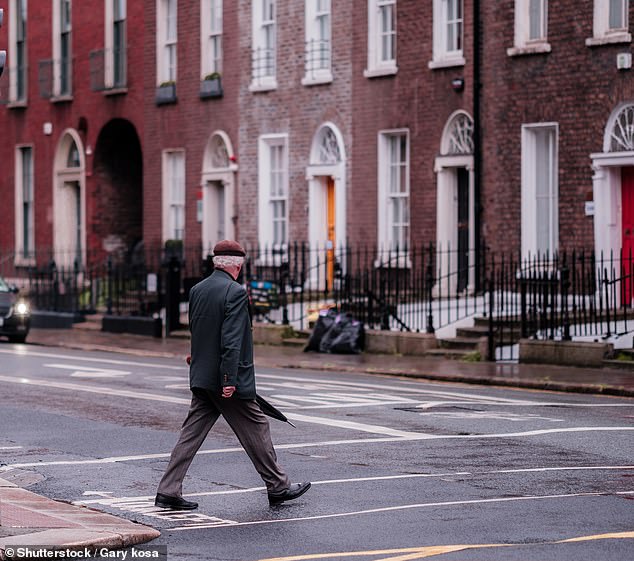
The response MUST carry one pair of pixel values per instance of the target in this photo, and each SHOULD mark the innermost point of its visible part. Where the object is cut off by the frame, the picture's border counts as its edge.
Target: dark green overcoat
(221, 338)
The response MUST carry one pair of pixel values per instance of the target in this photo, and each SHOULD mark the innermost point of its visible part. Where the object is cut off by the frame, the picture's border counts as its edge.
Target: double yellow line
(412, 553)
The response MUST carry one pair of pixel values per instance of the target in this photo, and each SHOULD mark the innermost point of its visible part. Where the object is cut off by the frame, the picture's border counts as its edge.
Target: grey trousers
(248, 423)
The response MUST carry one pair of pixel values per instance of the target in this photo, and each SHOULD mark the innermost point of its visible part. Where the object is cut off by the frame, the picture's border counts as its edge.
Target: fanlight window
(459, 138)
(328, 147)
(73, 160)
(622, 133)
(218, 152)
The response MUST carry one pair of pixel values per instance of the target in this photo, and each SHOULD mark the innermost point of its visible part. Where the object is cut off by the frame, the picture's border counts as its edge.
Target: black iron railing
(419, 288)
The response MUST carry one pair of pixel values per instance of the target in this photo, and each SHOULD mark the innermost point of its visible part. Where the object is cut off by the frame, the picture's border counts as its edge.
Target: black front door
(463, 229)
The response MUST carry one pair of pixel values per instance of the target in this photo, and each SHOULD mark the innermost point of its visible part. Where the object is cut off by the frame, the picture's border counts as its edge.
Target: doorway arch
(326, 176)
(69, 201)
(217, 197)
(118, 172)
(455, 208)
(613, 187)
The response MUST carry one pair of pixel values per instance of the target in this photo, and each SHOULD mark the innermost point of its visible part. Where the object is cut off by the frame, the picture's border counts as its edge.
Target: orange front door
(331, 244)
(627, 221)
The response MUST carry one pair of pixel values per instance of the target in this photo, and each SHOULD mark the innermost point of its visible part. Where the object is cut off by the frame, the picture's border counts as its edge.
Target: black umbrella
(271, 410)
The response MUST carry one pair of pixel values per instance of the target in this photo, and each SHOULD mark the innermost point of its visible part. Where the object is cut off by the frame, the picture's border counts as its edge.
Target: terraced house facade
(383, 123)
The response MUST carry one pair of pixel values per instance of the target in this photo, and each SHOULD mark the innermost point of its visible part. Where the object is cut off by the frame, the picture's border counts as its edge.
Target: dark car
(15, 313)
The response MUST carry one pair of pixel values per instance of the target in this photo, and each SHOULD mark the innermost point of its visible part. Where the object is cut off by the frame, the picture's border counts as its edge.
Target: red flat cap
(229, 247)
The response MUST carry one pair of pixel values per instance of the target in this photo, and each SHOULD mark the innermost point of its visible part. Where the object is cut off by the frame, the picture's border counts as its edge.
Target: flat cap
(229, 247)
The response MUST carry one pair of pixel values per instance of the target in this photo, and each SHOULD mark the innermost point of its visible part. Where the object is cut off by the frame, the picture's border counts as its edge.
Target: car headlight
(22, 308)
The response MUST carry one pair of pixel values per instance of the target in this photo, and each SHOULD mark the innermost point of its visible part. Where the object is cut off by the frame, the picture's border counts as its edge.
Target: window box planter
(166, 93)
(211, 86)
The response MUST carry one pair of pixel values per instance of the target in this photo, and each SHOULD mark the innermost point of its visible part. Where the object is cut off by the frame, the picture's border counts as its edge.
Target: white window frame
(111, 22)
(318, 43)
(386, 195)
(378, 65)
(166, 42)
(602, 34)
(442, 57)
(173, 194)
(211, 37)
(61, 32)
(529, 189)
(17, 98)
(24, 255)
(265, 199)
(264, 30)
(524, 44)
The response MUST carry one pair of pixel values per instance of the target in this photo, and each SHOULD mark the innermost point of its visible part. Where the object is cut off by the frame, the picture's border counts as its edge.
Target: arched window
(621, 130)
(326, 149)
(73, 160)
(458, 135)
(218, 153)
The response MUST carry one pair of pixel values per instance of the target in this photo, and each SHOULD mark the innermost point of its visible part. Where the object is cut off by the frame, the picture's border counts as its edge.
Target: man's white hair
(224, 261)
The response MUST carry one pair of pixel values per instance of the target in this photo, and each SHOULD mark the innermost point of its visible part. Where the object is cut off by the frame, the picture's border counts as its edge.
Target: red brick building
(377, 122)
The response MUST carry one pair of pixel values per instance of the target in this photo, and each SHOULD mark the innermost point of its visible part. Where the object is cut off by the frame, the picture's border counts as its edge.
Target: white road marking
(88, 371)
(417, 506)
(117, 459)
(500, 415)
(107, 500)
(91, 359)
(10, 447)
(156, 397)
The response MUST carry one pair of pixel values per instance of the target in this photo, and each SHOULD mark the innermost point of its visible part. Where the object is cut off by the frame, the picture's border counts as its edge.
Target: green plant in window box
(166, 92)
(211, 86)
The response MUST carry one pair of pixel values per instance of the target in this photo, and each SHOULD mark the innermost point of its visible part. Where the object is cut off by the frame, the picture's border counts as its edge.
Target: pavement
(27, 518)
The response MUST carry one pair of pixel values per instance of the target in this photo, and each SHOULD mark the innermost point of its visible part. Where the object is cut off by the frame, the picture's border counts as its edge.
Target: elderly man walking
(222, 381)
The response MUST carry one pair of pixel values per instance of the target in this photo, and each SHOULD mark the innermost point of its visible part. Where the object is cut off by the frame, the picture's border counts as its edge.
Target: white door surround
(456, 152)
(218, 172)
(327, 159)
(618, 152)
(69, 200)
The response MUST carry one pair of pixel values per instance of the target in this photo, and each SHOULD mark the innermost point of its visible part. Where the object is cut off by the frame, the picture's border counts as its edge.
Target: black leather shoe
(175, 503)
(294, 491)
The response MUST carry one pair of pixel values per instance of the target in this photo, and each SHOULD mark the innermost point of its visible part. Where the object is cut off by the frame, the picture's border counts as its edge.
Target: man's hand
(227, 391)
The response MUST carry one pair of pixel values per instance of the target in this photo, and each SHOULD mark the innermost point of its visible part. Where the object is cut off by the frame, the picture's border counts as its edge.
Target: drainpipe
(477, 148)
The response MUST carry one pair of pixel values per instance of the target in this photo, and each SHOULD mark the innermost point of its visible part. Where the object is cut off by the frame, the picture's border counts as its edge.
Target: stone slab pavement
(26, 518)
(33, 520)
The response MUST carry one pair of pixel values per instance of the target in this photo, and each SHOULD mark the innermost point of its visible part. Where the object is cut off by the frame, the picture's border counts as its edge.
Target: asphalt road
(401, 469)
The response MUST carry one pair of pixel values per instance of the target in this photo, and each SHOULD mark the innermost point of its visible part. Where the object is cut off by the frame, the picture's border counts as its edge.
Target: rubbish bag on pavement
(340, 322)
(351, 339)
(324, 322)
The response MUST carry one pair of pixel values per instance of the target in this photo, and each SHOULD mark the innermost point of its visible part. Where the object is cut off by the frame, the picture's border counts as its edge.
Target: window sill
(61, 98)
(400, 261)
(263, 86)
(378, 72)
(446, 62)
(24, 262)
(115, 91)
(325, 78)
(609, 39)
(17, 104)
(534, 49)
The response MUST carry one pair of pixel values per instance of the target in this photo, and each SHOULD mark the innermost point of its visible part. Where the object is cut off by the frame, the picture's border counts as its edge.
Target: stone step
(473, 332)
(456, 354)
(467, 343)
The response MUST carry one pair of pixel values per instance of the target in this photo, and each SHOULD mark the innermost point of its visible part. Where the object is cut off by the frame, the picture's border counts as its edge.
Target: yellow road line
(412, 553)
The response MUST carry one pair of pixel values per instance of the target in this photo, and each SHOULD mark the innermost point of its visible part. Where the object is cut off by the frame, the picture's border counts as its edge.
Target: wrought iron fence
(420, 288)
